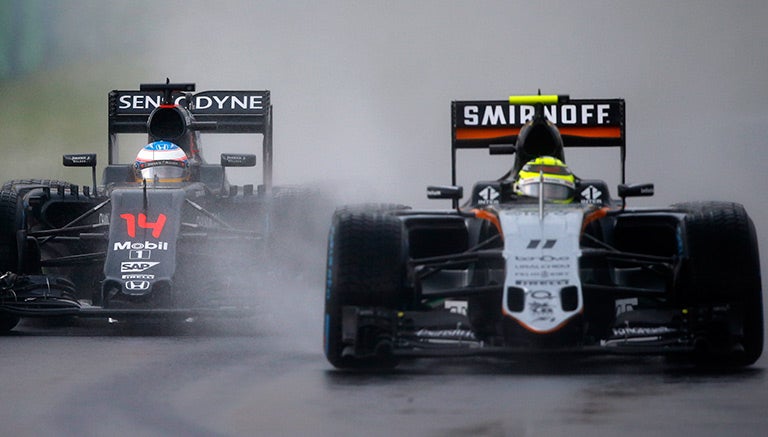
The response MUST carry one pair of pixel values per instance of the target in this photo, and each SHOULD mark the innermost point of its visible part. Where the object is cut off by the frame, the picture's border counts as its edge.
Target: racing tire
(8, 228)
(8, 322)
(9, 220)
(365, 268)
(8, 245)
(724, 268)
(50, 183)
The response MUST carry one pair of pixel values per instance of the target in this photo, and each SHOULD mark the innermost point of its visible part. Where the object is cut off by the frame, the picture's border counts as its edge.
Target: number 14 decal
(156, 226)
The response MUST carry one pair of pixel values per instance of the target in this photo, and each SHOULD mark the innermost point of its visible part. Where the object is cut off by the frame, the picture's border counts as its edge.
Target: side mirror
(80, 160)
(635, 190)
(445, 192)
(502, 149)
(83, 160)
(238, 160)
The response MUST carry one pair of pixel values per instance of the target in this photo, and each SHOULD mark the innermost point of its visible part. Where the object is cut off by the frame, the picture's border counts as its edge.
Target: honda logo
(137, 285)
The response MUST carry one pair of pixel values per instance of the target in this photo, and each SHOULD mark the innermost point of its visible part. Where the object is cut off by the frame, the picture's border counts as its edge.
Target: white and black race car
(514, 270)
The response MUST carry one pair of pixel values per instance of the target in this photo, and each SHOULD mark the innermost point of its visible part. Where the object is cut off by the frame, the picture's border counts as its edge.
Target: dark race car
(166, 235)
(540, 260)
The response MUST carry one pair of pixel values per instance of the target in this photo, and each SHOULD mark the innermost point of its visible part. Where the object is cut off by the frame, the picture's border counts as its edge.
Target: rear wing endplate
(232, 111)
(478, 124)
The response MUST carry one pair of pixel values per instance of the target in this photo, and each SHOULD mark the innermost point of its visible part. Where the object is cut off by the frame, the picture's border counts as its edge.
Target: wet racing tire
(365, 268)
(13, 184)
(8, 227)
(8, 252)
(8, 322)
(724, 270)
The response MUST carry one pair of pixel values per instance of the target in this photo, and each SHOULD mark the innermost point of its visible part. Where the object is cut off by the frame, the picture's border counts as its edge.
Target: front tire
(365, 268)
(724, 269)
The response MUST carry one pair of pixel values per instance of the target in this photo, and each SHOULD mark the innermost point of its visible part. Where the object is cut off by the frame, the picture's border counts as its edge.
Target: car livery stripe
(484, 133)
(467, 133)
(491, 217)
(595, 215)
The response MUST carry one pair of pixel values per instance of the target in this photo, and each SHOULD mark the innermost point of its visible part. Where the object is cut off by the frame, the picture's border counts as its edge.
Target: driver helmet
(548, 174)
(162, 161)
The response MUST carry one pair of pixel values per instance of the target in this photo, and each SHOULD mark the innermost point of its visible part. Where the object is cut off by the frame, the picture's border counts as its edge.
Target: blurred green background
(57, 63)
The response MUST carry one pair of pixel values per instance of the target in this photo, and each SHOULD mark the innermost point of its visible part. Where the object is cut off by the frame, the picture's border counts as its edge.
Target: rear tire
(725, 270)
(8, 228)
(8, 322)
(8, 245)
(366, 266)
(51, 183)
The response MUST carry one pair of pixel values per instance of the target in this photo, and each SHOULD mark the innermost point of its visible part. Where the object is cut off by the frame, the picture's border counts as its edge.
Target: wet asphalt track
(268, 377)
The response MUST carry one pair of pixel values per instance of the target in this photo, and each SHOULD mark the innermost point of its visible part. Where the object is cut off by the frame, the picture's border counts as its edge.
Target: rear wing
(477, 124)
(230, 111)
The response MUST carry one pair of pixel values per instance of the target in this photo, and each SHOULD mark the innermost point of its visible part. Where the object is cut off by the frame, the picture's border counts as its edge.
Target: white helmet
(162, 161)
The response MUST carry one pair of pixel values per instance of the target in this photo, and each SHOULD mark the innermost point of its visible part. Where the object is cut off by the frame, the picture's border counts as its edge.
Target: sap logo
(136, 267)
(147, 245)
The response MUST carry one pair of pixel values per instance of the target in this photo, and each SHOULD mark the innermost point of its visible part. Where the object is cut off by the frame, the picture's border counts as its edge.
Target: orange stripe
(600, 213)
(592, 132)
(491, 217)
(546, 331)
(486, 133)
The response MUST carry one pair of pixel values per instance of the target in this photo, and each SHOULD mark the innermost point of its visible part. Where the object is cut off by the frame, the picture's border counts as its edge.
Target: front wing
(372, 331)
